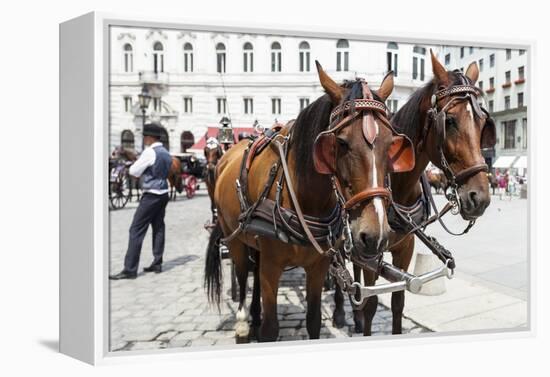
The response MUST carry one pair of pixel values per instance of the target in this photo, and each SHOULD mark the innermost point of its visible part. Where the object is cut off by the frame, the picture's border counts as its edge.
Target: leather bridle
(457, 93)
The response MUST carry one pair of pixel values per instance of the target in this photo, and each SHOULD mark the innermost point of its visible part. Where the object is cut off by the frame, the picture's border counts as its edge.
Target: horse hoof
(339, 319)
(358, 328)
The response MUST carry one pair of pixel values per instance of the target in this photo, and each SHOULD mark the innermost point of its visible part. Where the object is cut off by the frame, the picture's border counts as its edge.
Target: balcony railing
(507, 84)
(519, 81)
(151, 77)
(490, 90)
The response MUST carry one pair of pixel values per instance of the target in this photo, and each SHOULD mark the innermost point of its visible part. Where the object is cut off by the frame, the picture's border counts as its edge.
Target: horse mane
(407, 118)
(310, 122)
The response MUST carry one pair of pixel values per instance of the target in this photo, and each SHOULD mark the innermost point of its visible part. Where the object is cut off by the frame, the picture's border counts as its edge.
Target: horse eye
(343, 143)
(450, 122)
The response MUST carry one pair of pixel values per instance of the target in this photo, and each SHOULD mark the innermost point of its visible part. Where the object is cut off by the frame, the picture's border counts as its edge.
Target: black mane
(313, 120)
(407, 119)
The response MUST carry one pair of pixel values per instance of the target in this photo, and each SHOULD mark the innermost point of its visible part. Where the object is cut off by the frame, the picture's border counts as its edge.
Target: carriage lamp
(225, 132)
(144, 99)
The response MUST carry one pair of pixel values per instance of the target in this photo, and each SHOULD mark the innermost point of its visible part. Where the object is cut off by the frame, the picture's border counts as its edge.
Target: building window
(481, 65)
(521, 73)
(275, 106)
(342, 55)
(462, 52)
(507, 77)
(492, 60)
(480, 85)
(187, 105)
(491, 82)
(127, 139)
(506, 102)
(392, 105)
(520, 99)
(248, 57)
(220, 58)
(276, 57)
(188, 57)
(471, 50)
(304, 56)
(157, 104)
(447, 59)
(187, 140)
(508, 53)
(248, 106)
(304, 102)
(391, 58)
(222, 105)
(127, 104)
(128, 58)
(509, 134)
(418, 62)
(524, 133)
(491, 106)
(521, 52)
(158, 57)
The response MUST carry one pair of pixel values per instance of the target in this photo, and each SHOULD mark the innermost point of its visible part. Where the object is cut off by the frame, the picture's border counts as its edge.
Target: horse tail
(213, 266)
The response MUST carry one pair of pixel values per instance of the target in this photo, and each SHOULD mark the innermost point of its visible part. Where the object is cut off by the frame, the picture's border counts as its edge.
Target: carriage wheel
(191, 187)
(119, 193)
(234, 284)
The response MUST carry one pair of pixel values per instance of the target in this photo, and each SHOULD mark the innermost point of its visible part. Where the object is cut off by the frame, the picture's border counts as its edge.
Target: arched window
(220, 58)
(391, 58)
(342, 55)
(304, 56)
(188, 57)
(187, 140)
(419, 54)
(276, 57)
(158, 57)
(127, 139)
(248, 57)
(128, 57)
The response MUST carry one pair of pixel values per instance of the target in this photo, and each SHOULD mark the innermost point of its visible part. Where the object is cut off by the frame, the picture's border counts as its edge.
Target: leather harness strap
(367, 194)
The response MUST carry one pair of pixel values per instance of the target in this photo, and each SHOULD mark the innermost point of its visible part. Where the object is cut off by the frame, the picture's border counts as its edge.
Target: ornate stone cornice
(186, 34)
(152, 32)
(122, 36)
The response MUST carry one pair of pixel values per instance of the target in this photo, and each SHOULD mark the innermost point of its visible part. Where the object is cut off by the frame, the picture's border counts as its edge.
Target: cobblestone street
(171, 309)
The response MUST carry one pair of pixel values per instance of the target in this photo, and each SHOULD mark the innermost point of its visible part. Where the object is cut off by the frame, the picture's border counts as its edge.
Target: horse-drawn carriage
(186, 173)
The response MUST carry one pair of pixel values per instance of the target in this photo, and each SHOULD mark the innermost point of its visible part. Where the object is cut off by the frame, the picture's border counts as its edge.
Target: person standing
(153, 166)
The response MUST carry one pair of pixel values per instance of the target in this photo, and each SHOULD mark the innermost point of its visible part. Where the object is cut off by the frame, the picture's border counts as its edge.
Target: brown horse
(213, 152)
(174, 178)
(448, 128)
(321, 157)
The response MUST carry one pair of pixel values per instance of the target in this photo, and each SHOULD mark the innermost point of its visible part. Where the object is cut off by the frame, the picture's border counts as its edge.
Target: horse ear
(332, 88)
(386, 87)
(401, 154)
(438, 70)
(472, 72)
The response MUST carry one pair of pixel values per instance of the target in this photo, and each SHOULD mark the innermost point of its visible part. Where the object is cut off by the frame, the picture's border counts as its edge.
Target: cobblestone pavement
(170, 309)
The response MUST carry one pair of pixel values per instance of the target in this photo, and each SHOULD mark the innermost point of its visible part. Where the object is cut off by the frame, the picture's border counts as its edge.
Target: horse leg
(239, 255)
(270, 273)
(338, 315)
(369, 310)
(315, 278)
(401, 257)
(256, 306)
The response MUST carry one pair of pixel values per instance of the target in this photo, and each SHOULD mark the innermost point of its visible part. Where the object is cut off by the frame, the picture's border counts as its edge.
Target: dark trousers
(151, 210)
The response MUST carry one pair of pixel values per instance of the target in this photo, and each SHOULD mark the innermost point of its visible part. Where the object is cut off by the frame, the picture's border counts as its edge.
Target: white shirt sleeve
(146, 159)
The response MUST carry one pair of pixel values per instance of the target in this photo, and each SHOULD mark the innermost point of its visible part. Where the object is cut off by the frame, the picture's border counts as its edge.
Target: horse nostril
(473, 196)
(371, 245)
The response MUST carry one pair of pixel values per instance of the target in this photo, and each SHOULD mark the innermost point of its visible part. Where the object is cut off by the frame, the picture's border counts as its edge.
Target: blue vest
(154, 177)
